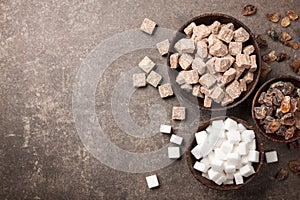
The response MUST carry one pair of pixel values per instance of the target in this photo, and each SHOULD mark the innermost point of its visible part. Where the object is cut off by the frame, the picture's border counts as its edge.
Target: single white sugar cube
(241, 127)
(247, 170)
(226, 147)
(217, 165)
(244, 159)
(176, 139)
(234, 136)
(165, 128)
(152, 181)
(253, 156)
(229, 176)
(233, 159)
(174, 152)
(247, 135)
(201, 167)
(197, 151)
(213, 175)
(201, 137)
(238, 178)
(228, 182)
(218, 124)
(219, 154)
(252, 145)
(242, 148)
(271, 157)
(229, 168)
(221, 179)
(230, 125)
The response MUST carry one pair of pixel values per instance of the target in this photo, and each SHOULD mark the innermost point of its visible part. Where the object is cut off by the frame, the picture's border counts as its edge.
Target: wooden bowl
(198, 175)
(263, 88)
(208, 19)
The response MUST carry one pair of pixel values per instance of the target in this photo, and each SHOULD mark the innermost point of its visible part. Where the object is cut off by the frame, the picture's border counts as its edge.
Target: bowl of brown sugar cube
(214, 61)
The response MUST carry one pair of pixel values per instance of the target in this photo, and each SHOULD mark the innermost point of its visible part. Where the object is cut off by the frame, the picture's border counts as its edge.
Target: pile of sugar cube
(231, 158)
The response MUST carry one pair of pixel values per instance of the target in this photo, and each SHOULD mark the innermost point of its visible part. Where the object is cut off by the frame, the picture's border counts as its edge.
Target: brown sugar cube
(217, 94)
(139, 80)
(197, 91)
(199, 65)
(225, 34)
(180, 78)
(253, 66)
(235, 48)
(178, 113)
(215, 27)
(241, 35)
(239, 71)
(163, 47)
(185, 61)
(146, 64)
(187, 87)
(148, 26)
(243, 60)
(191, 77)
(185, 45)
(210, 65)
(212, 39)
(174, 60)
(231, 59)
(233, 89)
(154, 78)
(189, 29)
(229, 25)
(202, 49)
(222, 64)
(228, 76)
(243, 85)
(201, 31)
(248, 49)
(204, 90)
(207, 80)
(207, 102)
(165, 90)
(218, 49)
(248, 77)
(227, 100)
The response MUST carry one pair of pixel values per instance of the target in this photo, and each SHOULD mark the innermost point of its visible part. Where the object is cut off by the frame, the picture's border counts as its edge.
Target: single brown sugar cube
(228, 76)
(248, 49)
(222, 64)
(165, 90)
(225, 34)
(189, 29)
(207, 102)
(148, 26)
(185, 45)
(243, 60)
(217, 94)
(139, 80)
(174, 60)
(201, 31)
(163, 47)
(178, 113)
(154, 78)
(215, 27)
(207, 80)
(218, 49)
(185, 61)
(199, 65)
(233, 89)
(235, 48)
(241, 35)
(191, 77)
(146, 64)
(243, 85)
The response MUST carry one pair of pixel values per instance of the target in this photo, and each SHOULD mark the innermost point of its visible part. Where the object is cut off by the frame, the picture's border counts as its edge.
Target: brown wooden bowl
(208, 19)
(263, 88)
(198, 175)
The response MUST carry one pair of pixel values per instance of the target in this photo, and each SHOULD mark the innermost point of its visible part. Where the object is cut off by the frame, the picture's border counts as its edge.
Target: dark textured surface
(43, 44)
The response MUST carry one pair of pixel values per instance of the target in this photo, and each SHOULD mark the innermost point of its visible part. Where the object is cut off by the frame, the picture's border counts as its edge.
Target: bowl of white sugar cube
(214, 61)
(225, 153)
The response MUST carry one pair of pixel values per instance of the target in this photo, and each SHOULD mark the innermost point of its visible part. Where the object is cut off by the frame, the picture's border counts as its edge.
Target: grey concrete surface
(44, 43)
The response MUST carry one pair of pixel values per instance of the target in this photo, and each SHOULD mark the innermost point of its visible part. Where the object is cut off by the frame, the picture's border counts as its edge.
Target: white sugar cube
(165, 128)
(248, 135)
(176, 139)
(219, 124)
(253, 156)
(229, 176)
(230, 125)
(201, 137)
(214, 175)
(238, 178)
(217, 165)
(197, 151)
(200, 166)
(174, 152)
(247, 170)
(219, 154)
(242, 148)
(244, 159)
(220, 180)
(241, 127)
(233, 159)
(229, 168)
(252, 145)
(152, 181)
(234, 136)
(226, 147)
(228, 182)
(271, 157)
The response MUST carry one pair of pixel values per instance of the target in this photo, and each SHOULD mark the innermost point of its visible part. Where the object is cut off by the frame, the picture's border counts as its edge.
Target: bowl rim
(212, 185)
(262, 88)
(254, 43)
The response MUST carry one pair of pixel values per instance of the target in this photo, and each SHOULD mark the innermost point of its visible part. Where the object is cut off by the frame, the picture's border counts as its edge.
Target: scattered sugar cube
(247, 170)
(228, 182)
(165, 128)
(146, 64)
(154, 78)
(174, 152)
(253, 156)
(165, 90)
(139, 80)
(178, 113)
(242, 148)
(197, 151)
(176, 139)
(152, 181)
(241, 127)
(217, 165)
(238, 178)
(174, 59)
(163, 47)
(271, 157)
(234, 136)
(201, 137)
(230, 124)
(201, 167)
(148, 26)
